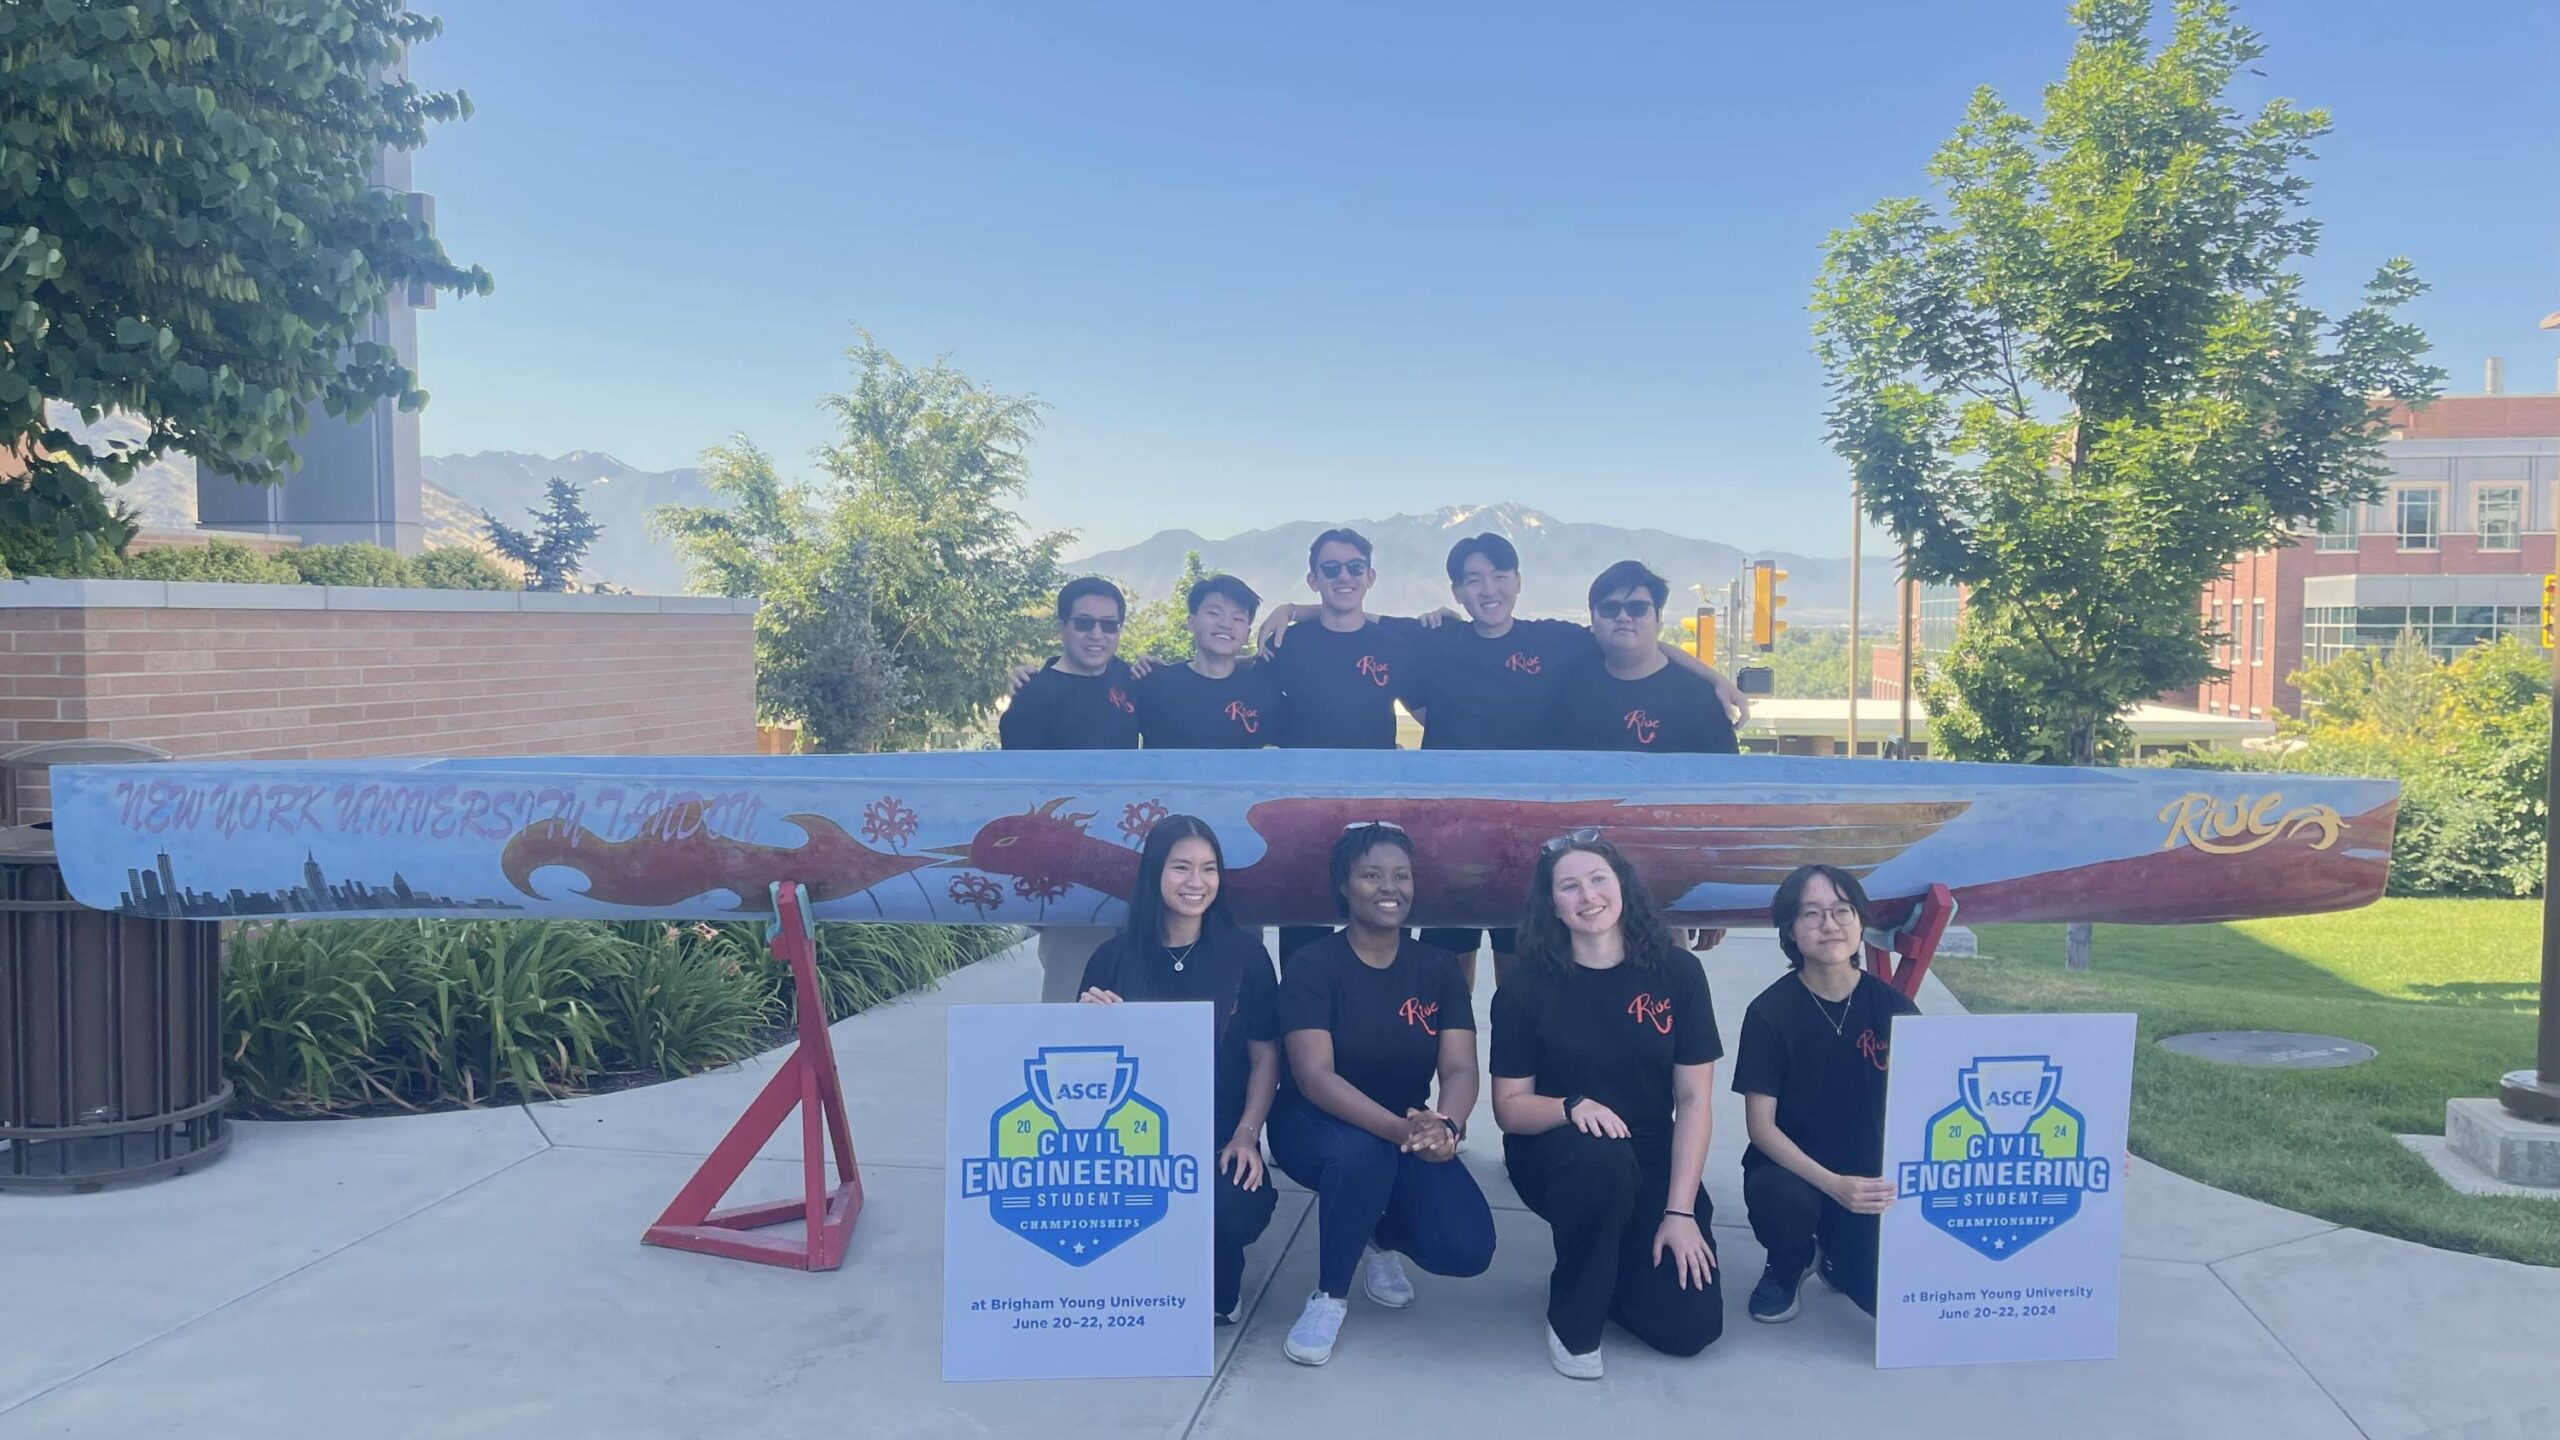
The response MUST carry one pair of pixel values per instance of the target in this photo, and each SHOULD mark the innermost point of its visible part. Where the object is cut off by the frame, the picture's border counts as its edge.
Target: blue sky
(1283, 262)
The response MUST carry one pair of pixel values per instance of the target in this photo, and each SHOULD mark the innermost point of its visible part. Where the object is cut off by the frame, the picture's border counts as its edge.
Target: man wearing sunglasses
(1083, 700)
(1638, 700)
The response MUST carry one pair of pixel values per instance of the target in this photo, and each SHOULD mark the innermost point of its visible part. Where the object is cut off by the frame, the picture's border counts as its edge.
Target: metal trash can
(110, 1024)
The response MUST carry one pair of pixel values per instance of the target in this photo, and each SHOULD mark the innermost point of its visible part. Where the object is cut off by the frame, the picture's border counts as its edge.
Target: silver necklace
(1185, 955)
(1839, 1027)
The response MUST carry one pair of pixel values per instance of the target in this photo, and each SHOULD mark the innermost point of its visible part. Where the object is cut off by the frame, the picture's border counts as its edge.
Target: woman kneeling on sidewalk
(1811, 1072)
(1180, 945)
(1370, 1017)
(1604, 1051)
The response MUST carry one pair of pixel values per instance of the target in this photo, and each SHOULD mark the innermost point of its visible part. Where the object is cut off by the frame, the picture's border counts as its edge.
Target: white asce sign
(1077, 1196)
(2005, 1140)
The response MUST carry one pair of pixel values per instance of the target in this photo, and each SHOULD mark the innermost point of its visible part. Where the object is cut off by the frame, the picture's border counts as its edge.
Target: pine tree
(562, 531)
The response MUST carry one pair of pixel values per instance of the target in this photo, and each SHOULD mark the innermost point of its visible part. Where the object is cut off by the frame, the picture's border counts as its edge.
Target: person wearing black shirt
(1811, 1073)
(1638, 700)
(1342, 672)
(1214, 701)
(1179, 944)
(1083, 700)
(1604, 1051)
(1370, 1018)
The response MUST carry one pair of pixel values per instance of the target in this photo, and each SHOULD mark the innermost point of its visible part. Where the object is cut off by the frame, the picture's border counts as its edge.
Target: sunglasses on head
(1087, 624)
(1632, 609)
(1372, 825)
(1582, 835)
(1336, 569)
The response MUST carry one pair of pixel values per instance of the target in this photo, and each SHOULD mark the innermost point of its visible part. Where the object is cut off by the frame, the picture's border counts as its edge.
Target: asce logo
(2007, 1162)
(1078, 1163)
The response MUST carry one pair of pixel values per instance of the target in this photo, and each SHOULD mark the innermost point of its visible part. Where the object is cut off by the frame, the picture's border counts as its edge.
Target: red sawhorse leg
(1914, 941)
(807, 1081)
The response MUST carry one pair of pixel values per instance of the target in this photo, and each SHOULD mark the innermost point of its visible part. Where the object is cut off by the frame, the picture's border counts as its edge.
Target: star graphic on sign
(1999, 1244)
(1079, 1247)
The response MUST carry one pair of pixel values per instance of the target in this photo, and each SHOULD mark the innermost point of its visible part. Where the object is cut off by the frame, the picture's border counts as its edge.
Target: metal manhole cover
(2270, 1049)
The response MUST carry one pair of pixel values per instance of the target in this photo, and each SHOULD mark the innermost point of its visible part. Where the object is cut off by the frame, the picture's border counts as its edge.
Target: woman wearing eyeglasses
(1811, 1073)
(1604, 1051)
(1179, 944)
(1369, 1019)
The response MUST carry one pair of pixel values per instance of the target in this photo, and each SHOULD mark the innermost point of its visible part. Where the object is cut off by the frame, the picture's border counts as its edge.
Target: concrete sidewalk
(480, 1273)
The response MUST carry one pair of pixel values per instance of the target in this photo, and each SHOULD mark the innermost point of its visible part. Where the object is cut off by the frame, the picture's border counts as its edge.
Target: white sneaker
(1311, 1339)
(1570, 1365)
(1384, 1279)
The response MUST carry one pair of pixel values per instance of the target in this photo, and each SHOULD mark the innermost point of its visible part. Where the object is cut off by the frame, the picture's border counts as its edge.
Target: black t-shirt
(1610, 1035)
(1386, 1024)
(1500, 694)
(1341, 686)
(1181, 709)
(1060, 710)
(1829, 1082)
(1229, 969)
(1671, 712)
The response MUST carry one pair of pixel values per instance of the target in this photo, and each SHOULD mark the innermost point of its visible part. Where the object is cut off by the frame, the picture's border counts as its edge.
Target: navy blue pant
(1604, 1199)
(1789, 1216)
(1432, 1213)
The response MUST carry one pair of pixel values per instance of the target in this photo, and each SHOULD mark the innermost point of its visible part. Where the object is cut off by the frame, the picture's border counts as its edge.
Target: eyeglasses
(1336, 569)
(1087, 624)
(1844, 916)
(1632, 609)
(1585, 835)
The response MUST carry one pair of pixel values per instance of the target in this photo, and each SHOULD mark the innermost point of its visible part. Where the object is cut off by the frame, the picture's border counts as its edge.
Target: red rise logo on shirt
(1649, 1011)
(1417, 1013)
(1120, 701)
(1246, 716)
(1873, 1048)
(1524, 662)
(1644, 727)
(1374, 668)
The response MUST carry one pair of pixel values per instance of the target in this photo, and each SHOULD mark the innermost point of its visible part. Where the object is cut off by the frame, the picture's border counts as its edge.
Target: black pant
(1604, 1200)
(1789, 1216)
(1369, 1191)
(1242, 1216)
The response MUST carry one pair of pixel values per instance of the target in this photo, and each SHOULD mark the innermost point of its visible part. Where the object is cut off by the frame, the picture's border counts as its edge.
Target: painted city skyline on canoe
(1032, 838)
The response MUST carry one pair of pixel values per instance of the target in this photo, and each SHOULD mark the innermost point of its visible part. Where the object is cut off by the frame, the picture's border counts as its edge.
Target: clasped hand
(1429, 1134)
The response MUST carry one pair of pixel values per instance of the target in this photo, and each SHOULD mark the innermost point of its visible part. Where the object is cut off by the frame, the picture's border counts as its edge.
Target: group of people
(1358, 1062)
(1330, 676)
(1357, 1058)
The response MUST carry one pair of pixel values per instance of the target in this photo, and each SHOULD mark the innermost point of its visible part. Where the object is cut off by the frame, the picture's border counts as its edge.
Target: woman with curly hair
(1604, 1058)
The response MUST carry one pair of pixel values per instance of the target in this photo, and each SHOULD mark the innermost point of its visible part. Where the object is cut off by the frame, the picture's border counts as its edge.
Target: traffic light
(1689, 633)
(2550, 602)
(1698, 634)
(1765, 601)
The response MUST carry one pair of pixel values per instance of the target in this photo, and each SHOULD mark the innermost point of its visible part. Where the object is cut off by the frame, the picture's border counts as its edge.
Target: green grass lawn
(2444, 989)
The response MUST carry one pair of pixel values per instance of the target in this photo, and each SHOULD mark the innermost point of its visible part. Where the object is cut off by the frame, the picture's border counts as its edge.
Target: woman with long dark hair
(1371, 1017)
(1604, 1051)
(1180, 945)
(1811, 1073)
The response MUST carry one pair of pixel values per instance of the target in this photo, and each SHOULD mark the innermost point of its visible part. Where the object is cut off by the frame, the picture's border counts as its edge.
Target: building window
(2501, 515)
(2421, 516)
(2329, 631)
(2257, 632)
(2338, 529)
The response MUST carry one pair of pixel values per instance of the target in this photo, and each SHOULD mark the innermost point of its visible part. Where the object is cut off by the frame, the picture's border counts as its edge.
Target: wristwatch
(1569, 1102)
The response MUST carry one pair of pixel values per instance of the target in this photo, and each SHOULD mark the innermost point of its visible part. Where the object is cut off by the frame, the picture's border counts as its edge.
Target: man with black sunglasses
(1638, 700)
(1083, 700)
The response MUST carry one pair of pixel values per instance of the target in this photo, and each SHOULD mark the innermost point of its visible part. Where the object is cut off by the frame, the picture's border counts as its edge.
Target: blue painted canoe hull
(1052, 837)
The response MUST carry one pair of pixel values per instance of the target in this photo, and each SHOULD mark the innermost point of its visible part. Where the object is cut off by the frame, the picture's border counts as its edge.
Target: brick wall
(288, 672)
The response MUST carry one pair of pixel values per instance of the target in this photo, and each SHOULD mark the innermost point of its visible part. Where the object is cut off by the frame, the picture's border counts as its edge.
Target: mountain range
(1557, 560)
(509, 484)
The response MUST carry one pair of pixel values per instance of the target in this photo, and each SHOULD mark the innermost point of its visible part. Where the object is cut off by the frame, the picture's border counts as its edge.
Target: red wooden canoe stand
(806, 1081)
(1914, 941)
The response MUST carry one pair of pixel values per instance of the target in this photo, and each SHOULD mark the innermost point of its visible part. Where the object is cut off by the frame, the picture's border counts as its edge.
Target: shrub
(226, 561)
(302, 1011)
(684, 999)
(504, 1005)
(351, 565)
(456, 567)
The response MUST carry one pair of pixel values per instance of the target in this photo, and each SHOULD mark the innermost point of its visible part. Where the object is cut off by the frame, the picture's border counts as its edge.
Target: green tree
(2090, 381)
(1813, 664)
(192, 235)
(562, 532)
(819, 658)
(925, 470)
(1161, 629)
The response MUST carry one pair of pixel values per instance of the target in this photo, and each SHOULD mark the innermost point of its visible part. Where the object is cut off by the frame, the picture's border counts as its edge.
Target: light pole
(2535, 1094)
(1857, 528)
